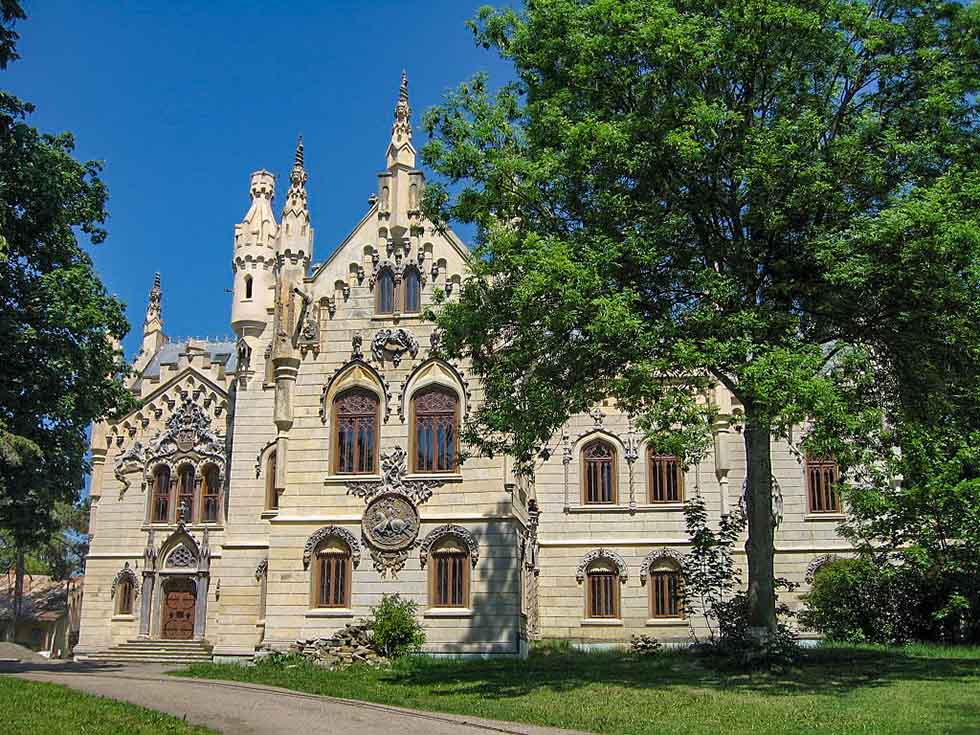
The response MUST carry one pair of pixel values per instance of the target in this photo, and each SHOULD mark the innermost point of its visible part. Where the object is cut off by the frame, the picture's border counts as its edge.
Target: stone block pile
(350, 645)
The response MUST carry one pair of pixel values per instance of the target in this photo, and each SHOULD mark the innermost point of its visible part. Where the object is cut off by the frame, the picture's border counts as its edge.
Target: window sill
(344, 479)
(665, 622)
(329, 612)
(608, 622)
(123, 618)
(188, 526)
(260, 623)
(620, 508)
(825, 517)
(396, 317)
(441, 476)
(448, 612)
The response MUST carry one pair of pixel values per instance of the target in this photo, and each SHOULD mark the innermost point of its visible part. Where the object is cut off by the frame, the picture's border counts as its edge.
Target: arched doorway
(178, 608)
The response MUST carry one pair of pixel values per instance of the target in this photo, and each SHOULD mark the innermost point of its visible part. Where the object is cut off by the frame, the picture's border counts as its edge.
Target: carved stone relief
(391, 526)
(597, 554)
(450, 529)
(656, 555)
(394, 467)
(326, 532)
(394, 342)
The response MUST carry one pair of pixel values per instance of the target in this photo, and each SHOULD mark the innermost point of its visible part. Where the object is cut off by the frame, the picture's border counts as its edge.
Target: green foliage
(777, 196)
(58, 326)
(644, 645)
(395, 628)
(877, 600)
(738, 647)
(709, 571)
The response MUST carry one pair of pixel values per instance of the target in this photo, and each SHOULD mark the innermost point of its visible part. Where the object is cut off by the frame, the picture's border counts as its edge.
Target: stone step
(148, 660)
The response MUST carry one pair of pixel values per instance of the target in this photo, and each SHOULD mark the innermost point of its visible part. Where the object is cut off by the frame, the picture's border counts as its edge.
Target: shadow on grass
(824, 672)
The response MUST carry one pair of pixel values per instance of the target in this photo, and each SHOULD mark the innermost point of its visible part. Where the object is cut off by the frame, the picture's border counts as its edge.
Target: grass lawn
(919, 690)
(34, 708)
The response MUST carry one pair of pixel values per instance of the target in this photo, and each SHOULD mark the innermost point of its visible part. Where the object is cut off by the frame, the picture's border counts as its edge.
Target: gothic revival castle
(274, 488)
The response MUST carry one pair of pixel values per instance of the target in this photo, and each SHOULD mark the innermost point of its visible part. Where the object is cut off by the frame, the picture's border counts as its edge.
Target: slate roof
(223, 353)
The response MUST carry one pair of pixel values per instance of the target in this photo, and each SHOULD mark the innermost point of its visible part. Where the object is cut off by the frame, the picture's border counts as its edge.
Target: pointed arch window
(356, 432)
(449, 584)
(599, 473)
(124, 597)
(412, 287)
(210, 494)
(332, 574)
(271, 496)
(386, 293)
(185, 493)
(822, 476)
(435, 414)
(666, 478)
(602, 590)
(666, 590)
(248, 287)
(160, 505)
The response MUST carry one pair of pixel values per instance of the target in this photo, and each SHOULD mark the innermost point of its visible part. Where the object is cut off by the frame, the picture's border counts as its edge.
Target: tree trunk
(19, 565)
(759, 547)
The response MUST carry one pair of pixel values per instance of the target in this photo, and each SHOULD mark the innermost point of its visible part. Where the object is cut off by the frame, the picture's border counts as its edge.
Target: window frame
(812, 465)
(124, 597)
(182, 492)
(445, 559)
(385, 274)
(414, 429)
(156, 495)
(206, 492)
(610, 577)
(613, 473)
(333, 553)
(271, 492)
(335, 432)
(411, 272)
(653, 458)
(660, 580)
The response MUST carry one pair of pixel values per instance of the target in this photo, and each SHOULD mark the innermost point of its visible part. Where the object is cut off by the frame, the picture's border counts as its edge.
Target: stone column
(201, 605)
(146, 601)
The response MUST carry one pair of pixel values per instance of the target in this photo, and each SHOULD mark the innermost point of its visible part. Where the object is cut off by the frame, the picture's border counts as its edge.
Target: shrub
(644, 645)
(395, 628)
(736, 648)
(877, 600)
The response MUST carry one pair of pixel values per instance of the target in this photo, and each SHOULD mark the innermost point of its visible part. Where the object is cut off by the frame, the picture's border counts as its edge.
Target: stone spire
(401, 149)
(153, 337)
(295, 210)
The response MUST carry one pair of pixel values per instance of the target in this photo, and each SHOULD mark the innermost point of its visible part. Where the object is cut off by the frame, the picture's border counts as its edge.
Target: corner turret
(253, 263)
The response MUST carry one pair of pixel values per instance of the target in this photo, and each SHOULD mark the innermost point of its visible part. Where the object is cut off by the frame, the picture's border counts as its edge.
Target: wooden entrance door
(179, 601)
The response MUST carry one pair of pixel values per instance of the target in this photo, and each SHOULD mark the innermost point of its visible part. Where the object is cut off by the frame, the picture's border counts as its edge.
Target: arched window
(413, 291)
(160, 511)
(386, 293)
(248, 287)
(356, 421)
(666, 478)
(436, 422)
(602, 590)
(822, 476)
(666, 590)
(271, 496)
(332, 574)
(185, 493)
(124, 597)
(210, 494)
(449, 574)
(599, 472)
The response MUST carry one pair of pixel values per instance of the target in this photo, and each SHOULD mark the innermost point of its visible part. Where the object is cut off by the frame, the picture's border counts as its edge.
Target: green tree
(58, 326)
(777, 196)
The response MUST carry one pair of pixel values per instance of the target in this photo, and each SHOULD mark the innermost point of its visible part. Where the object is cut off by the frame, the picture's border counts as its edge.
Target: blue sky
(183, 100)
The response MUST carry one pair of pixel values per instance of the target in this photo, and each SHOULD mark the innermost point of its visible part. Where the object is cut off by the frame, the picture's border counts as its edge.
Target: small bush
(644, 645)
(736, 648)
(395, 628)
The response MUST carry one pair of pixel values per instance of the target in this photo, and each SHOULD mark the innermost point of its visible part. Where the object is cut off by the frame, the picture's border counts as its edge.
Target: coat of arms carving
(391, 526)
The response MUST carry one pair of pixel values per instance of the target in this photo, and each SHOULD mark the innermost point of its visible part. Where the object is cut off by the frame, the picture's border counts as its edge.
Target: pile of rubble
(348, 646)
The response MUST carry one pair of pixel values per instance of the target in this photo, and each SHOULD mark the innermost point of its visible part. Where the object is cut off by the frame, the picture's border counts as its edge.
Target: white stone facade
(239, 411)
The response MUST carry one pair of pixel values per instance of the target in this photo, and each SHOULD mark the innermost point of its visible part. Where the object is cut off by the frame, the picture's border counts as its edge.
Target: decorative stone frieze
(390, 526)
(656, 555)
(449, 530)
(595, 555)
(321, 534)
(128, 575)
(394, 467)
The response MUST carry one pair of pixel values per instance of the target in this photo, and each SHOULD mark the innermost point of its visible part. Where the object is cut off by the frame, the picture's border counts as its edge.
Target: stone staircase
(143, 651)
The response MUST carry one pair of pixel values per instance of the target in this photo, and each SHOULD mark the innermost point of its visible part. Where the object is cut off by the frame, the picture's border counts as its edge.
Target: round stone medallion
(390, 522)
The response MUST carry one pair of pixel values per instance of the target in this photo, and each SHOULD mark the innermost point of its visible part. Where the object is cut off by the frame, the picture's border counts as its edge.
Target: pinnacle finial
(153, 306)
(403, 91)
(402, 129)
(298, 161)
(156, 280)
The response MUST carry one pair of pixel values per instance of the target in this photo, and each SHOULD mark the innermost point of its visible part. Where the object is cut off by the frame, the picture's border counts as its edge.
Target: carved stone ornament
(390, 526)
(451, 530)
(656, 555)
(132, 460)
(595, 555)
(181, 557)
(342, 370)
(816, 563)
(262, 569)
(394, 466)
(318, 536)
(394, 342)
(188, 430)
(128, 575)
(244, 356)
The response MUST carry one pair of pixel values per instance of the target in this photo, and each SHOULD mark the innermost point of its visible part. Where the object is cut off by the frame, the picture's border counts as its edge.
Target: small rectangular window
(665, 588)
(822, 476)
(450, 580)
(666, 479)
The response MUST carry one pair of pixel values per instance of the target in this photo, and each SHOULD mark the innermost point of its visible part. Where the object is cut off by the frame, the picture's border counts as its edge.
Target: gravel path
(253, 709)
